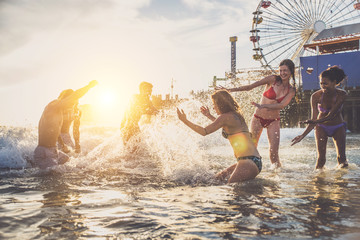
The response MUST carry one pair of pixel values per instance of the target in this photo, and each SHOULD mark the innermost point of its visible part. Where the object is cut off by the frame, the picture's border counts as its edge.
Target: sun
(107, 98)
(108, 106)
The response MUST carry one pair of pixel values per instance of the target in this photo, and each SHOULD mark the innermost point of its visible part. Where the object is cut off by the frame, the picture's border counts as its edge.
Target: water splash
(168, 149)
(16, 146)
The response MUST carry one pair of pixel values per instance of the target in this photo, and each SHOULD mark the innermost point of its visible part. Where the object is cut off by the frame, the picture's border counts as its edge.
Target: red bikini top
(270, 94)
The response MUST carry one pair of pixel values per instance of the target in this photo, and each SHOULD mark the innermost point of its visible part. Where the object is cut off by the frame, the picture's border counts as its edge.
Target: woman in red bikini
(277, 95)
(326, 118)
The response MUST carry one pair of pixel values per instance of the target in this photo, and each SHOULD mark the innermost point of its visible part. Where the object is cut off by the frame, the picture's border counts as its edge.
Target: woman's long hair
(225, 102)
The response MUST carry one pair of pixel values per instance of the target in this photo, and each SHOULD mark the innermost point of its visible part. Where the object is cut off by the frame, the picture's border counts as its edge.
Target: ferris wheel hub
(319, 25)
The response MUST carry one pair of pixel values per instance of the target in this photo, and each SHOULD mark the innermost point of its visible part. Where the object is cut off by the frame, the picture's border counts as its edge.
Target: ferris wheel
(281, 28)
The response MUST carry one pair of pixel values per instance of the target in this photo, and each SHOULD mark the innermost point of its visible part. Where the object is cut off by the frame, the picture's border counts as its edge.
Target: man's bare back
(50, 126)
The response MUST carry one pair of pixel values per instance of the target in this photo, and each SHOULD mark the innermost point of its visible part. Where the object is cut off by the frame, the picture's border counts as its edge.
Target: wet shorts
(45, 157)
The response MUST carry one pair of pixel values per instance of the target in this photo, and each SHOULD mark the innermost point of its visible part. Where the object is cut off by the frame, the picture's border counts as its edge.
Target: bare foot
(343, 165)
(220, 176)
(275, 165)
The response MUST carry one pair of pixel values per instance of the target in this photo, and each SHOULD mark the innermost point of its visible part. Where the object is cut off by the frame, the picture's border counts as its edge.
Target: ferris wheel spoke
(307, 18)
(298, 12)
(281, 24)
(280, 54)
(330, 12)
(280, 37)
(291, 14)
(295, 33)
(276, 47)
(315, 8)
(324, 9)
(303, 7)
(280, 33)
(278, 26)
(272, 13)
(309, 9)
(347, 20)
(275, 30)
(340, 11)
(327, 10)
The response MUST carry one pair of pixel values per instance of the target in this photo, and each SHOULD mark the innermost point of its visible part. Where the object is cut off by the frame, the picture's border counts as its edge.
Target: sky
(47, 46)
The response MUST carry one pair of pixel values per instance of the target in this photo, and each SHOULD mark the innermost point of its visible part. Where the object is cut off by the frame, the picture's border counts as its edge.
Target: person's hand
(297, 139)
(205, 111)
(220, 88)
(309, 121)
(257, 105)
(65, 149)
(181, 114)
(93, 83)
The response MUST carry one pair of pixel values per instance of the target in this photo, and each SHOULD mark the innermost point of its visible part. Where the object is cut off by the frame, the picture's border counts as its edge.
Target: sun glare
(107, 97)
(107, 102)
(108, 106)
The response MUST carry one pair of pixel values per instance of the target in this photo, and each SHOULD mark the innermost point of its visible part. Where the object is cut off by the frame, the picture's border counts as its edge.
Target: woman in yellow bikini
(234, 128)
(277, 95)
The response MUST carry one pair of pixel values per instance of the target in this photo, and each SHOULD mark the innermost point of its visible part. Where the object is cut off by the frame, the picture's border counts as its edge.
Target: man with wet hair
(140, 105)
(46, 153)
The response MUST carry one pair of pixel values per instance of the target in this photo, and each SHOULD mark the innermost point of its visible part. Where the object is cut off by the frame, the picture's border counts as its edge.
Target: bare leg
(256, 130)
(273, 132)
(321, 141)
(225, 173)
(244, 170)
(339, 139)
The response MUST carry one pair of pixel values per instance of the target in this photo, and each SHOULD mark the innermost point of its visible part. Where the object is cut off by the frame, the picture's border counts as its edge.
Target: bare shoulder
(53, 106)
(230, 117)
(292, 89)
(341, 92)
(271, 78)
(225, 117)
(316, 95)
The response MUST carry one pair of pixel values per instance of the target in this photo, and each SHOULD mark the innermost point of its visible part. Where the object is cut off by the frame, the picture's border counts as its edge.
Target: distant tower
(233, 55)
(172, 89)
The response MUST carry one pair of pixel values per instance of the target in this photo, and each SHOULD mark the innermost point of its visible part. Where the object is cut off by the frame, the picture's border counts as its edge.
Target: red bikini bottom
(265, 122)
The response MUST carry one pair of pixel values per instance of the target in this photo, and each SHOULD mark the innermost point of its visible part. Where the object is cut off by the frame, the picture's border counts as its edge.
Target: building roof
(338, 32)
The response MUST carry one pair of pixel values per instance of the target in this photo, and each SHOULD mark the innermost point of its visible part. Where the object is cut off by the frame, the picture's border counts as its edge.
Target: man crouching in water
(46, 153)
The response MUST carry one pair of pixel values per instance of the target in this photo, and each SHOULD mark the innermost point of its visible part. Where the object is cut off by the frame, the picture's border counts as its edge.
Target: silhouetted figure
(51, 121)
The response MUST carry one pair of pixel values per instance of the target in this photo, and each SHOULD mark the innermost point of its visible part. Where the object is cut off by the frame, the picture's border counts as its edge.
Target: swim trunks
(45, 157)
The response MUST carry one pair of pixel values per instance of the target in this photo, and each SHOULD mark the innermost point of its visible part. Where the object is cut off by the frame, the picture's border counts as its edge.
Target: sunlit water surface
(166, 189)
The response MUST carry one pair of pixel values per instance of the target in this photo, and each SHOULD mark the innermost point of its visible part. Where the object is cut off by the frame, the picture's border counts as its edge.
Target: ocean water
(165, 188)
